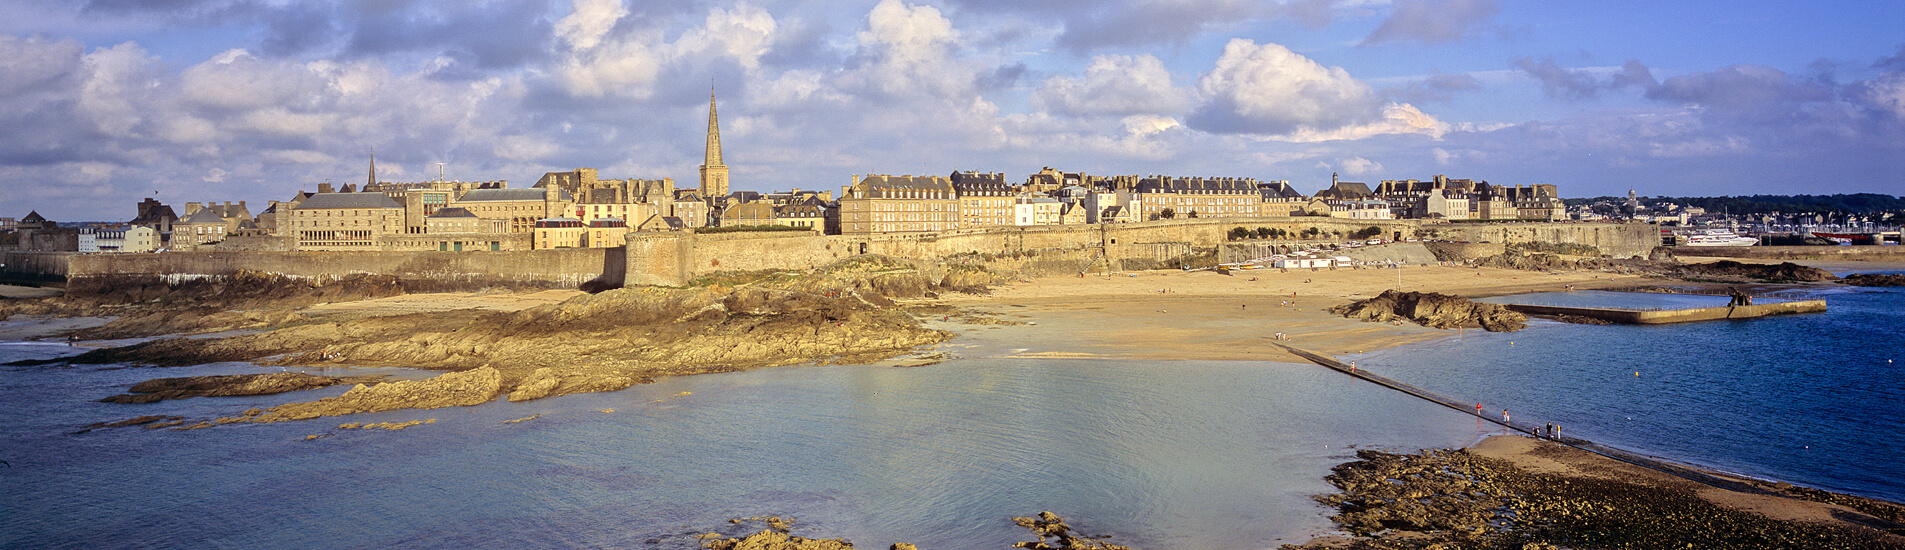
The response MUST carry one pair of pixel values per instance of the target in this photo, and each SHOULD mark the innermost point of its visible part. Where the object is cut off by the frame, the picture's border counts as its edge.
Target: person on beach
(1504, 416)
(1478, 409)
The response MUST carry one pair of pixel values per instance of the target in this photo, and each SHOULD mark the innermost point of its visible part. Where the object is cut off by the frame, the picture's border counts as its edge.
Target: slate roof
(509, 195)
(347, 200)
(453, 212)
(203, 216)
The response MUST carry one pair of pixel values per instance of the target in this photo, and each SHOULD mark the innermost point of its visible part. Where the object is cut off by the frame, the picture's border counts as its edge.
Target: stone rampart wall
(564, 267)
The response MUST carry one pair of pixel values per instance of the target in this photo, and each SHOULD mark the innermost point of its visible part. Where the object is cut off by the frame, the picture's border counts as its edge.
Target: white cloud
(624, 69)
(745, 34)
(1115, 85)
(1397, 118)
(118, 83)
(1356, 166)
(592, 19)
(1268, 89)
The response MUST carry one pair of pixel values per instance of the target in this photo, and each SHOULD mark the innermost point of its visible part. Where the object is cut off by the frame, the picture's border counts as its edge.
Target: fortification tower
(714, 174)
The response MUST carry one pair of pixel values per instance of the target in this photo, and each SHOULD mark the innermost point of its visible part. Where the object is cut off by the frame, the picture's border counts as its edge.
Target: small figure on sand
(1739, 298)
(1505, 416)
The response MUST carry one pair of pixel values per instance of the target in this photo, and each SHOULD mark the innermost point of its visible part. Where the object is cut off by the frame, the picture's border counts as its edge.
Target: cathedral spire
(373, 170)
(714, 174)
(714, 134)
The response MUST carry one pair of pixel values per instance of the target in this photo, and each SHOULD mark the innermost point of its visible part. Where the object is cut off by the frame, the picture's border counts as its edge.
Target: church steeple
(714, 174)
(714, 135)
(373, 171)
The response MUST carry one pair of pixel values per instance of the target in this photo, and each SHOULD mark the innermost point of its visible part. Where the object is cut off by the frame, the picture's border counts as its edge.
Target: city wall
(563, 267)
(677, 258)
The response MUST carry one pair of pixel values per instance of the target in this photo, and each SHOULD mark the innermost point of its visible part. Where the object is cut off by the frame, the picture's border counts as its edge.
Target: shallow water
(1815, 399)
(1156, 454)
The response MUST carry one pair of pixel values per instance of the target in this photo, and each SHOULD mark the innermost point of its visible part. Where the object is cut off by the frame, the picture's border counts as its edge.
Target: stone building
(200, 228)
(751, 213)
(518, 209)
(561, 232)
(1195, 197)
(157, 216)
(343, 221)
(985, 199)
(127, 239)
(812, 214)
(892, 204)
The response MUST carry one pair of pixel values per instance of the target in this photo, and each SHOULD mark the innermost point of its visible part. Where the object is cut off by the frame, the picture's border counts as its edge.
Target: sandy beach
(1209, 316)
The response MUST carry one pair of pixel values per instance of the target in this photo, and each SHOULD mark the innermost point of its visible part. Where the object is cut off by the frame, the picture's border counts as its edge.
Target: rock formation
(1875, 279)
(1434, 310)
(456, 389)
(159, 389)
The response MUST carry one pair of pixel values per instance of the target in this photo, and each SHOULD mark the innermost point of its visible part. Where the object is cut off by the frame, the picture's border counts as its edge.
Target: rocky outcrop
(1453, 499)
(1729, 270)
(1875, 279)
(159, 389)
(1049, 525)
(769, 539)
(546, 381)
(456, 389)
(1434, 310)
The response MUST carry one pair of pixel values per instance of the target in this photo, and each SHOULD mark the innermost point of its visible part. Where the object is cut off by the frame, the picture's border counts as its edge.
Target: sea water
(1155, 454)
(1815, 399)
(1159, 455)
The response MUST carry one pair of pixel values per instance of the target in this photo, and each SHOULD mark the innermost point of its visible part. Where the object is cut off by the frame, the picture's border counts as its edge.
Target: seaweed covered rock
(1435, 310)
(1732, 270)
(1875, 279)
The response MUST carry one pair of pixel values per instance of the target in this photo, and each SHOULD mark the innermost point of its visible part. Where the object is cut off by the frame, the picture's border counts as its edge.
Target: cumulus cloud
(1115, 85)
(1434, 21)
(583, 28)
(1268, 89)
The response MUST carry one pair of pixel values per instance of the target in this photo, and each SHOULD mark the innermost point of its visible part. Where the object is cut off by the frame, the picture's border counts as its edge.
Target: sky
(107, 102)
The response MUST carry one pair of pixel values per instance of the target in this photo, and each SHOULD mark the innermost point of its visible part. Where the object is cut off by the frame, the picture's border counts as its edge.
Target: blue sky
(106, 102)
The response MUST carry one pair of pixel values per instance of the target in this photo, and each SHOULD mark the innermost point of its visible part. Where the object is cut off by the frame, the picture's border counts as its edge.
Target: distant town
(579, 209)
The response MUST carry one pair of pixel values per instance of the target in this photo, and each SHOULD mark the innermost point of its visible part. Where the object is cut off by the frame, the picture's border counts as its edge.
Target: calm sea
(1159, 455)
(1815, 399)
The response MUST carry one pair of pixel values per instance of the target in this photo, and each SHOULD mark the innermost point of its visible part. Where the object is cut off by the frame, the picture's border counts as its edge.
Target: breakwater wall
(1866, 253)
(1663, 316)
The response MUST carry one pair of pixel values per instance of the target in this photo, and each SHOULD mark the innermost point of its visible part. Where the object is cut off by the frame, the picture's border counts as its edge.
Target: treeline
(1855, 203)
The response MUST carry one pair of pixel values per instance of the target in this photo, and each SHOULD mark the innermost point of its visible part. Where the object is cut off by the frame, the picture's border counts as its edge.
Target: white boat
(1718, 237)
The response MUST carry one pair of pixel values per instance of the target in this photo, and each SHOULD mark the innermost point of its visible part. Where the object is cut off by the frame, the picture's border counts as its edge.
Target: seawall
(678, 258)
(566, 268)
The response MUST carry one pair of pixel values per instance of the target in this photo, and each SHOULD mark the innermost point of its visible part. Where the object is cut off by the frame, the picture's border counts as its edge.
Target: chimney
(326, 188)
(241, 204)
(192, 208)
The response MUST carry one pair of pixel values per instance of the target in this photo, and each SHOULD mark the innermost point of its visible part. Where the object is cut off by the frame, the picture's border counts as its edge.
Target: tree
(1167, 213)
(1240, 233)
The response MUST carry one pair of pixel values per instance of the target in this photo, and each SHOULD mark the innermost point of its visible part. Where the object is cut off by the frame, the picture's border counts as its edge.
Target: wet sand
(1204, 315)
